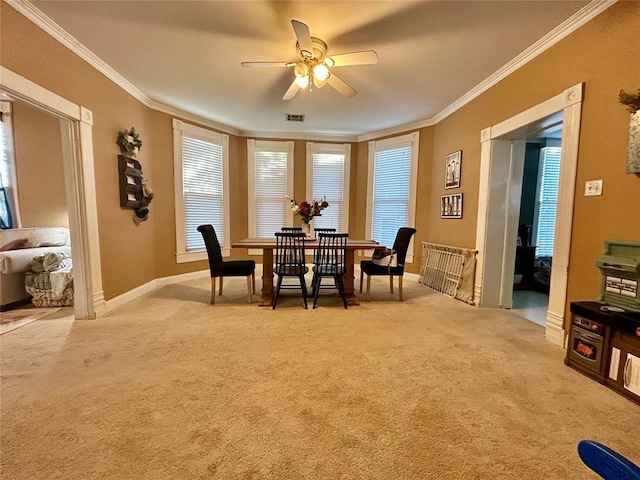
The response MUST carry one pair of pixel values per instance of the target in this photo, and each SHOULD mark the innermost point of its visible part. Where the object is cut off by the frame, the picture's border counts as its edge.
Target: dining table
(268, 244)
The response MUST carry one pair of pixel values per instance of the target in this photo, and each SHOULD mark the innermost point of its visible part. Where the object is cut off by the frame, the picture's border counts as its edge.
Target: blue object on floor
(605, 462)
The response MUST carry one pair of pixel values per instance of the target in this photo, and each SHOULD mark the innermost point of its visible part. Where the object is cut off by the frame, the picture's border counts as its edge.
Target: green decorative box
(620, 267)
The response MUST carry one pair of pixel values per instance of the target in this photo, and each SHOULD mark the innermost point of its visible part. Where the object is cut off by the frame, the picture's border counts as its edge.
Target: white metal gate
(442, 271)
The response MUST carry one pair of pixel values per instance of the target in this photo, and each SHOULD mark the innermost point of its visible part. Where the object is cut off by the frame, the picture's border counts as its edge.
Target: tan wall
(601, 54)
(39, 167)
(127, 252)
(598, 54)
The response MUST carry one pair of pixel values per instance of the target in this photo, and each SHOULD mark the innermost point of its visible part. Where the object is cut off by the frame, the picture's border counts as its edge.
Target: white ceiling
(187, 54)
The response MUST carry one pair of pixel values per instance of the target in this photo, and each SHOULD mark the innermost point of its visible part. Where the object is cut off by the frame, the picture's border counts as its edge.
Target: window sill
(198, 256)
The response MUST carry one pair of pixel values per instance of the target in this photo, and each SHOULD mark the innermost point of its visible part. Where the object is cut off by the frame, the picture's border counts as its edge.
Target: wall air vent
(295, 117)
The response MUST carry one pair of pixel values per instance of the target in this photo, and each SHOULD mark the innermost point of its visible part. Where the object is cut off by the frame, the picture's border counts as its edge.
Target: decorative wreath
(631, 101)
(129, 141)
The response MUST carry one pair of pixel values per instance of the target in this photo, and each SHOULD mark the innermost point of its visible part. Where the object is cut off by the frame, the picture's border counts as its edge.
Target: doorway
(77, 153)
(536, 225)
(502, 157)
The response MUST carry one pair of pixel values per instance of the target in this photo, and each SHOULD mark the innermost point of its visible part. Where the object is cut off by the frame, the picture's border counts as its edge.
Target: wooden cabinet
(624, 364)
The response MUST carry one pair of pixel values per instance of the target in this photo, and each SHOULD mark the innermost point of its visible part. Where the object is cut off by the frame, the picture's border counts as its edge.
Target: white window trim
(7, 119)
(332, 148)
(179, 129)
(272, 146)
(409, 140)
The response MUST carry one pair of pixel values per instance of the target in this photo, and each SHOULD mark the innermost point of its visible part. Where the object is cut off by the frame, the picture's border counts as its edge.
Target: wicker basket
(38, 285)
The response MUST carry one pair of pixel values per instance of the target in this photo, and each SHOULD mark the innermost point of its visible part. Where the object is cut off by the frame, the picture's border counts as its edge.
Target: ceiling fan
(314, 66)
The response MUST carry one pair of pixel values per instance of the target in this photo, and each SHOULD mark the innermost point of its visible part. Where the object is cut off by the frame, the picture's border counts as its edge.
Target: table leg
(267, 277)
(349, 276)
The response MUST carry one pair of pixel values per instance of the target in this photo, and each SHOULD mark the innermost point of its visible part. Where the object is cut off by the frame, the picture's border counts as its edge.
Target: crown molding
(56, 31)
(206, 122)
(395, 130)
(36, 16)
(590, 11)
(299, 136)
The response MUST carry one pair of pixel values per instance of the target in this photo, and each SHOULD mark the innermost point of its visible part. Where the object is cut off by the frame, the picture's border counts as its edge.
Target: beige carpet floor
(170, 387)
(12, 319)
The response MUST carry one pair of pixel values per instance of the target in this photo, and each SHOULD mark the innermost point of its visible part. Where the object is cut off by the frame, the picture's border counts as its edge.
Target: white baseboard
(127, 297)
(554, 331)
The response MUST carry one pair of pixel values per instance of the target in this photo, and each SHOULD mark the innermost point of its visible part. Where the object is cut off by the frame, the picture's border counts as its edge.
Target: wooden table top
(270, 242)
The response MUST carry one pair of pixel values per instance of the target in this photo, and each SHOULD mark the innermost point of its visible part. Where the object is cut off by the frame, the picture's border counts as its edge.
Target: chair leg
(400, 288)
(316, 288)
(340, 285)
(249, 287)
(303, 287)
(276, 292)
(391, 284)
(368, 286)
(213, 290)
(361, 276)
(253, 282)
(221, 281)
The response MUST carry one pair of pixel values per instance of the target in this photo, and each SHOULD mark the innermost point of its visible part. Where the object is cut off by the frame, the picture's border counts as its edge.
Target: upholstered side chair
(400, 245)
(220, 269)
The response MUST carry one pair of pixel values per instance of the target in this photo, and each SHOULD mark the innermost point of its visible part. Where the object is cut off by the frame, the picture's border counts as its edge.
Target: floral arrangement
(129, 141)
(630, 100)
(307, 210)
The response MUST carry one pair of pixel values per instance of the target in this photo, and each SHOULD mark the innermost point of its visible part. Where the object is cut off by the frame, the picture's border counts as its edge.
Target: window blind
(270, 188)
(548, 201)
(202, 178)
(6, 217)
(328, 181)
(391, 182)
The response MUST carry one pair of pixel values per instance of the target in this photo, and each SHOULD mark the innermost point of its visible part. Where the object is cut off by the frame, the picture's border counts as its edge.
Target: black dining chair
(400, 246)
(330, 261)
(289, 262)
(318, 231)
(220, 269)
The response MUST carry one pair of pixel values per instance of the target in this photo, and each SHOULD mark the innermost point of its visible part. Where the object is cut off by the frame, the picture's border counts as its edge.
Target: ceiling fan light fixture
(300, 70)
(302, 81)
(320, 71)
(313, 69)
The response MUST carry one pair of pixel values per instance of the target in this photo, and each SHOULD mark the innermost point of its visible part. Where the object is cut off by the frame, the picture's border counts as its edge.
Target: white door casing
(492, 237)
(512, 217)
(77, 147)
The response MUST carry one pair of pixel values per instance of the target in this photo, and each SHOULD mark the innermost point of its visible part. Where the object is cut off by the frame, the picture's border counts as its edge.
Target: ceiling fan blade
(340, 86)
(319, 83)
(291, 91)
(303, 36)
(367, 57)
(266, 64)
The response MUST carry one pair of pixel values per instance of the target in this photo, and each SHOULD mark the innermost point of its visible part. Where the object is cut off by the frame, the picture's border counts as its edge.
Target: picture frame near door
(453, 169)
(451, 206)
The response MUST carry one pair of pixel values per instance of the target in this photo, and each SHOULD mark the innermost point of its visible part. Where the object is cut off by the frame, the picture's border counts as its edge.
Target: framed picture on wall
(451, 206)
(453, 170)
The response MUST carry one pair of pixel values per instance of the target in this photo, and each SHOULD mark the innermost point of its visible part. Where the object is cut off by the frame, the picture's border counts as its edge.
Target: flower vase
(306, 228)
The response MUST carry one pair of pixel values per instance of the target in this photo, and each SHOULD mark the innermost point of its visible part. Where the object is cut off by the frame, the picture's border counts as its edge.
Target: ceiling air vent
(295, 117)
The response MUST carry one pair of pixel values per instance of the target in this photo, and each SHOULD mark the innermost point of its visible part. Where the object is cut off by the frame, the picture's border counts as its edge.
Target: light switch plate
(592, 188)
